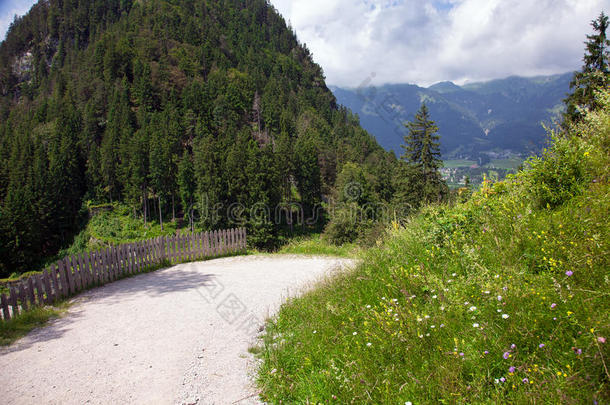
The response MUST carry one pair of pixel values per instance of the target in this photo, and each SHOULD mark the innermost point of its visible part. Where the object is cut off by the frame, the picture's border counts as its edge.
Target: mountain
(209, 109)
(501, 116)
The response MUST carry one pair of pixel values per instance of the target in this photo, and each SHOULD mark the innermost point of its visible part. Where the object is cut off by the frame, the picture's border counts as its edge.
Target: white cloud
(428, 41)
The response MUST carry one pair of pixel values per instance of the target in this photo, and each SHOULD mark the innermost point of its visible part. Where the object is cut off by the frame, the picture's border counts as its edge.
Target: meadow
(501, 299)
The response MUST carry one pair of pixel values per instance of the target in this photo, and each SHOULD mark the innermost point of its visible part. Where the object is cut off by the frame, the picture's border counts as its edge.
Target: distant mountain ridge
(500, 117)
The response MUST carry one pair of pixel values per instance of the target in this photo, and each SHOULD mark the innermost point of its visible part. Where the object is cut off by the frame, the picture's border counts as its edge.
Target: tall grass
(502, 299)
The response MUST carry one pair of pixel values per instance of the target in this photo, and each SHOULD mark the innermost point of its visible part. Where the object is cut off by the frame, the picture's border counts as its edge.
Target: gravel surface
(175, 336)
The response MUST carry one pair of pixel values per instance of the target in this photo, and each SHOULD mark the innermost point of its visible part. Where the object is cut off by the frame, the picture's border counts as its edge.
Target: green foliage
(171, 108)
(18, 327)
(500, 299)
(595, 72)
(317, 245)
(422, 150)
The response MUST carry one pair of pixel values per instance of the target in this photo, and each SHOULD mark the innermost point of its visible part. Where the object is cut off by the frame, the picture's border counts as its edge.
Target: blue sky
(427, 41)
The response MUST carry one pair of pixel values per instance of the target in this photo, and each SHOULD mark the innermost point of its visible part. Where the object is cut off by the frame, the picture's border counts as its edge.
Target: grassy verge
(316, 245)
(20, 326)
(502, 299)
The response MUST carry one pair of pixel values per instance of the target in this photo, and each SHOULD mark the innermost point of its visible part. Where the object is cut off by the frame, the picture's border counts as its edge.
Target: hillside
(500, 299)
(197, 110)
(499, 118)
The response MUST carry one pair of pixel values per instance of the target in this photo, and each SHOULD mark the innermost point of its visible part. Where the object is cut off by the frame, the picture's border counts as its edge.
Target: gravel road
(175, 336)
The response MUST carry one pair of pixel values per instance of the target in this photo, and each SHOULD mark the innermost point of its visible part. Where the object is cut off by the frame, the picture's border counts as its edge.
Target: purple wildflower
(462, 354)
(553, 305)
(525, 380)
(513, 346)
(502, 379)
(506, 355)
(485, 352)
(541, 345)
(569, 273)
(511, 369)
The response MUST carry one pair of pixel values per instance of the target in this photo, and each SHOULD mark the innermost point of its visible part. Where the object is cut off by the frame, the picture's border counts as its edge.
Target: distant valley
(499, 119)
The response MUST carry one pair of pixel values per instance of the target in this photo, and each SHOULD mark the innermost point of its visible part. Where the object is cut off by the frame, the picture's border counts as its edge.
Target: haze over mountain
(503, 116)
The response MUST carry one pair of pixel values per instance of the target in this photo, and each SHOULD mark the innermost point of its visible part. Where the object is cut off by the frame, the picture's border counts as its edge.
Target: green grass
(452, 164)
(316, 245)
(502, 299)
(507, 164)
(20, 326)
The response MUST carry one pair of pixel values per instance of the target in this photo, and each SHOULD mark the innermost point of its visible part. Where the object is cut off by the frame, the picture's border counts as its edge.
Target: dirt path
(179, 335)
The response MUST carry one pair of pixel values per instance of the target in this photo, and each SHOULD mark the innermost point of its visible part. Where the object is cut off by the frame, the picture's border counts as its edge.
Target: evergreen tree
(595, 73)
(187, 185)
(422, 150)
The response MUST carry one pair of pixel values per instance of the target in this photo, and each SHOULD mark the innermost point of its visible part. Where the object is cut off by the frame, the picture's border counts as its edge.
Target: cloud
(423, 42)
(426, 41)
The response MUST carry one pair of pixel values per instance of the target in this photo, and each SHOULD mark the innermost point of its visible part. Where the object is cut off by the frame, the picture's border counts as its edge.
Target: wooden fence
(73, 274)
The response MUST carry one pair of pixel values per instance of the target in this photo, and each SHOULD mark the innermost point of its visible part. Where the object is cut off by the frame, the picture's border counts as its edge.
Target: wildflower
(569, 273)
(355, 333)
(432, 327)
(499, 298)
(368, 306)
(454, 274)
(601, 339)
(502, 379)
(442, 308)
(541, 345)
(442, 325)
(273, 371)
(419, 319)
(525, 380)
(553, 305)
(485, 352)
(496, 381)
(506, 355)
(486, 292)
(369, 344)
(499, 310)
(473, 308)
(513, 346)
(408, 403)
(427, 316)
(504, 288)
(315, 331)
(505, 316)
(475, 325)
(511, 369)
(434, 297)
(577, 351)
(461, 354)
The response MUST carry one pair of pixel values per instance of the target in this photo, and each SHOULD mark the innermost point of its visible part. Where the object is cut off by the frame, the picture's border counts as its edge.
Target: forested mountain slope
(180, 104)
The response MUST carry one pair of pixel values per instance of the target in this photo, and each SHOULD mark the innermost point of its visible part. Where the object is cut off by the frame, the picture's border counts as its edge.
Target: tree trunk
(173, 209)
(160, 214)
(144, 206)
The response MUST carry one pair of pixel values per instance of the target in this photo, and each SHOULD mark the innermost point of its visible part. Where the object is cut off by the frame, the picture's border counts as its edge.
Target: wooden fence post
(47, 286)
(4, 305)
(13, 300)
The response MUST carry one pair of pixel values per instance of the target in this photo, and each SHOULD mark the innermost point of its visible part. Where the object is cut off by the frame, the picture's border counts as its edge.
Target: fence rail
(76, 273)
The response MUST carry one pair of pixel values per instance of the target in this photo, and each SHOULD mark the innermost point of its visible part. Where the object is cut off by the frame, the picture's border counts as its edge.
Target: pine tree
(595, 73)
(422, 150)
(187, 185)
